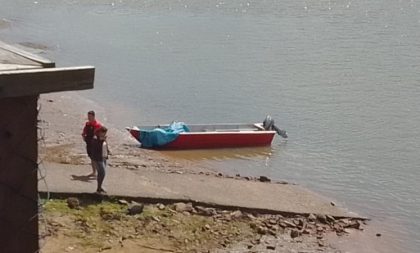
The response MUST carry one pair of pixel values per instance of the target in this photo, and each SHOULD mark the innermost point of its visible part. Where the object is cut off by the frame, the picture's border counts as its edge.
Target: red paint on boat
(135, 133)
(221, 140)
(211, 140)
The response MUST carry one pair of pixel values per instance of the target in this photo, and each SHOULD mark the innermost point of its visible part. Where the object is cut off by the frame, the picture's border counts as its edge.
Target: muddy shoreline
(61, 119)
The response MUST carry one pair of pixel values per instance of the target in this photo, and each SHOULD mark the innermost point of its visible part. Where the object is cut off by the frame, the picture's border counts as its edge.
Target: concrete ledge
(36, 59)
(17, 83)
(153, 187)
(168, 201)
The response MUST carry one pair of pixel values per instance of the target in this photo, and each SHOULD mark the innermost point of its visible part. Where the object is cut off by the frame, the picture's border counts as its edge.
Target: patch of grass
(96, 225)
(90, 222)
(57, 206)
(151, 211)
(103, 209)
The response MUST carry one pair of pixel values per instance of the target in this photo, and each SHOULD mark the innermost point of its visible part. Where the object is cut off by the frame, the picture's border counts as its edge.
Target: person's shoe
(102, 191)
(92, 175)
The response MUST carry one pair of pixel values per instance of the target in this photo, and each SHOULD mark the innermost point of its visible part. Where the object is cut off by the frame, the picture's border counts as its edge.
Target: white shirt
(105, 150)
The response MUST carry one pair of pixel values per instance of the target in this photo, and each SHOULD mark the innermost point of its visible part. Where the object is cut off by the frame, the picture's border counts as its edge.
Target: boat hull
(221, 140)
(212, 140)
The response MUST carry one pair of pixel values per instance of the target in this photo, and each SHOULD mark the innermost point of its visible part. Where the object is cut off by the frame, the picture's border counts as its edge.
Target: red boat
(218, 136)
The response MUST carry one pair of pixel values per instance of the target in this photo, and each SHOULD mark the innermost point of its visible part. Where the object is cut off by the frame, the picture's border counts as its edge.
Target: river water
(342, 77)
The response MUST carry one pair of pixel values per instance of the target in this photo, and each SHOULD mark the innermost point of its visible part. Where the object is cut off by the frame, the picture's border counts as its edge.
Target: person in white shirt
(100, 153)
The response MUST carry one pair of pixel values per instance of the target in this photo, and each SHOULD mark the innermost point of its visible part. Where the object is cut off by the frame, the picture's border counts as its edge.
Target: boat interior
(215, 127)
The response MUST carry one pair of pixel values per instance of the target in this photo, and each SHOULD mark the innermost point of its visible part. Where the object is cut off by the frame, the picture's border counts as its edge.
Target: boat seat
(259, 126)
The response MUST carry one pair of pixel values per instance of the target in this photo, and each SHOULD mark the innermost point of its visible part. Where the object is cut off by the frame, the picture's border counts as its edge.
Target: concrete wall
(18, 175)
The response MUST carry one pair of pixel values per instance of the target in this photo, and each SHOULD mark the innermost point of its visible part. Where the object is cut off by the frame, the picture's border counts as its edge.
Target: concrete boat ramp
(152, 186)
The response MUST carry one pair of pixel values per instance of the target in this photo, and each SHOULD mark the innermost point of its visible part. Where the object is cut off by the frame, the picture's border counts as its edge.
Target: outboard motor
(268, 124)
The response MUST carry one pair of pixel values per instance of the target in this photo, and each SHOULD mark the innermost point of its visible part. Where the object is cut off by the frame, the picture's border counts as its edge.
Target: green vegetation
(105, 225)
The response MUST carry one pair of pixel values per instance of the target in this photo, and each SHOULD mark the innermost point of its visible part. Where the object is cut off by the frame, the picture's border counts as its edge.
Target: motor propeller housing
(268, 124)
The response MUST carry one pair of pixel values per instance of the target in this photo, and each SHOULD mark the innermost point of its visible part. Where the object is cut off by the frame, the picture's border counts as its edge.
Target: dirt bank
(87, 225)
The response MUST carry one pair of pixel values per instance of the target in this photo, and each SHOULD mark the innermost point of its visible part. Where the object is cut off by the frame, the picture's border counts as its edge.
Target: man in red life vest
(88, 133)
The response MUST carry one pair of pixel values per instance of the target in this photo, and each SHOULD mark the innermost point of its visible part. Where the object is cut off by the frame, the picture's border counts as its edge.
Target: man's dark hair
(102, 129)
(91, 113)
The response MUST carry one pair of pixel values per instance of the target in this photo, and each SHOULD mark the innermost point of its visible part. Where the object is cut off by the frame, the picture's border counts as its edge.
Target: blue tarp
(162, 136)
